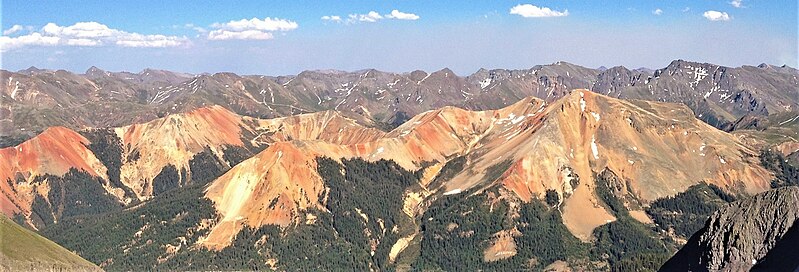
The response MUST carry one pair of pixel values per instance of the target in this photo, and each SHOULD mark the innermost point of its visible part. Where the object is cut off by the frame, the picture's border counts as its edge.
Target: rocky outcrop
(757, 233)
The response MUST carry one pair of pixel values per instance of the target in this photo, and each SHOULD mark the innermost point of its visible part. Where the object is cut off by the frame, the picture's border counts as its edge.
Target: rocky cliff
(757, 233)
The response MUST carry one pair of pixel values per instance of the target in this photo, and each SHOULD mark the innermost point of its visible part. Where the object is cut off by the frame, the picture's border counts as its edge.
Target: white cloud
(530, 11)
(370, 17)
(332, 18)
(139, 40)
(13, 29)
(33, 39)
(267, 24)
(195, 28)
(253, 29)
(87, 34)
(82, 42)
(686, 9)
(396, 14)
(716, 15)
(657, 12)
(81, 30)
(737, 3)
(239, 35)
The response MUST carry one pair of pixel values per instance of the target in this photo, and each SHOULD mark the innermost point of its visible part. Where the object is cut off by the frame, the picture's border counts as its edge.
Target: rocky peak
(94, 72)
(417, 75)
(445, 72)
(31, 71)
(748, 234)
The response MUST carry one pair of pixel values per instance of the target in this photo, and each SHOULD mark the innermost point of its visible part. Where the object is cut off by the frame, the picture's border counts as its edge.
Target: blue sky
(288, 37)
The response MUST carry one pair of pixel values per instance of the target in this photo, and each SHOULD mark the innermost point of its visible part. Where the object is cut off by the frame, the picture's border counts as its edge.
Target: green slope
(24, 250)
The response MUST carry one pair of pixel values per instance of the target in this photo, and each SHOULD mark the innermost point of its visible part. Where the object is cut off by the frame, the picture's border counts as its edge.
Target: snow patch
(420, 81)
(699, 74)
(452, 192)
(789, 120)
(485, 82)
(596, 115)
(16, 88)
(594, 149)
(582, 101)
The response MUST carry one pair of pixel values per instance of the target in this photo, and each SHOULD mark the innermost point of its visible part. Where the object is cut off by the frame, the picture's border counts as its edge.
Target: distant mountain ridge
(34, 99)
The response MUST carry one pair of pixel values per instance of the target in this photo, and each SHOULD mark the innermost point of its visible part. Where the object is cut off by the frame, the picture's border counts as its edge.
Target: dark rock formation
(760, 233)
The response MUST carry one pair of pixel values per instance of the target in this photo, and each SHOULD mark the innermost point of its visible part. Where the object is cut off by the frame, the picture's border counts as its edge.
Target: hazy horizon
(363, 69)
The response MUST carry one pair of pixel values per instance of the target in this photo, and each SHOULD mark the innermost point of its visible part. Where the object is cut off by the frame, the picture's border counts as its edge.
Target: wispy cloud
(657, 12)
(13, 29)
(686, 9)
(530, 11)
(371, 17)
(716, 15)
(85, 34)
(195, 28)
(332, 18)
(737, 3)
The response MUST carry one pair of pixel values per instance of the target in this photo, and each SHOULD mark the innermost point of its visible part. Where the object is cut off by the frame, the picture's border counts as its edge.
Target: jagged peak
(417, 75)
(567, 64)
(444, 71)
(679, 63)
(617, 68)
(94, 69)
(32, 70)
(325, 72)
(225, 75)
(151, 70)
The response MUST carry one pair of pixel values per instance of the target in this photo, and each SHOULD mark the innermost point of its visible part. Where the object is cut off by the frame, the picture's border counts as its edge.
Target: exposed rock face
(528, 147)
(54, 152)
(174, 140)
(756, 233)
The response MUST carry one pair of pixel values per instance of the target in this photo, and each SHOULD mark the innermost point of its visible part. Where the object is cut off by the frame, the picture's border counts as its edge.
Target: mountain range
(35, 99)
(555, 167)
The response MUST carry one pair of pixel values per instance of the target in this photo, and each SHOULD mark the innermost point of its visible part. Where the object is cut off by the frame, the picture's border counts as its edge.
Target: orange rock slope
(54, 152)
(148, 148)
(660, 148)
(529, 147)
(174, 140)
